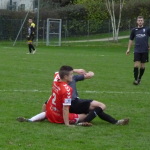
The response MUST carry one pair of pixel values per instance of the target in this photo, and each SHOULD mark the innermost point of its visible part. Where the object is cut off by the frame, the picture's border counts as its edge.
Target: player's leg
(29, 46)
(36, 118)
(99, 112)
(80, 106)
(44, 107)
(32, 47)
(95, 104)
(137, 64)
(144, 59)
(142, 70)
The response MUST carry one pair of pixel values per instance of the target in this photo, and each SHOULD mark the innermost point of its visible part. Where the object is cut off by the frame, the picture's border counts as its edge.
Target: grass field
(25, 84)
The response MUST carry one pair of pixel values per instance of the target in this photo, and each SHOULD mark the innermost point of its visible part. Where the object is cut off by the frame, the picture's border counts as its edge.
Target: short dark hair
(140, 17)
(64, 70)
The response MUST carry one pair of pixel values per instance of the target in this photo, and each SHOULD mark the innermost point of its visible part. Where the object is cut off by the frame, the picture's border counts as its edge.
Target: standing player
(57, 108)
(141, 35)
(30, 37)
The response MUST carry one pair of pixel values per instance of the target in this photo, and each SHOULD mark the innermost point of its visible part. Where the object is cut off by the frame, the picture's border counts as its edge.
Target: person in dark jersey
(141, 50)
(30, 37)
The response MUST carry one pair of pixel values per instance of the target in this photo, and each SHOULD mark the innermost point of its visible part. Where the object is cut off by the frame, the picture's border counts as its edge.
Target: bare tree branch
(110, 5)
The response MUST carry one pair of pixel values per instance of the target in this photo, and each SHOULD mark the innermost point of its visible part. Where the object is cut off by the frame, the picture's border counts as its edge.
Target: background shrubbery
(80, 17)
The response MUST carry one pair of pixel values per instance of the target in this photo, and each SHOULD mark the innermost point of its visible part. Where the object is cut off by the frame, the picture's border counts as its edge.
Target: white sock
(38, 117)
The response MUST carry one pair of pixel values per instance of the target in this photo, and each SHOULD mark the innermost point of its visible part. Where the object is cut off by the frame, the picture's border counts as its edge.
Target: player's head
(140, 21)
(66, 73)
(30, 20)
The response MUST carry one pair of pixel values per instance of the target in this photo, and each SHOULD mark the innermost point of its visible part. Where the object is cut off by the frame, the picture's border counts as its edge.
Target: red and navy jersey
(140, 35)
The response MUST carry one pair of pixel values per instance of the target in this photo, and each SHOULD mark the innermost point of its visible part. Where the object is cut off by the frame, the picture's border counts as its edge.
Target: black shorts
(30, 38)
(80, 106)
(142, 57)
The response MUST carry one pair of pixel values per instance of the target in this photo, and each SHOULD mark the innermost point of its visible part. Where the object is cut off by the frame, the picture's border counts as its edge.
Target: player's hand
(89, 75)
(128, 52)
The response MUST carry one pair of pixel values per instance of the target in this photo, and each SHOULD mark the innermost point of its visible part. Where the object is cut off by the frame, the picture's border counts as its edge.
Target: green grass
(25, 84)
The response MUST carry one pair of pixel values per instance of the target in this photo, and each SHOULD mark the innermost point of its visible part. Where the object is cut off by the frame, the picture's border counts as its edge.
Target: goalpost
(53, 34)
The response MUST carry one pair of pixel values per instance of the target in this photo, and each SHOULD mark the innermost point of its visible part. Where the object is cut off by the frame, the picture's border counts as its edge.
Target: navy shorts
(142, 57)
(80, 106)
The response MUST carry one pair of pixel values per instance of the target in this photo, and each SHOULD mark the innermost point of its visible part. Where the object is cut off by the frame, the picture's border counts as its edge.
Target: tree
(110, 4)
(96, 9)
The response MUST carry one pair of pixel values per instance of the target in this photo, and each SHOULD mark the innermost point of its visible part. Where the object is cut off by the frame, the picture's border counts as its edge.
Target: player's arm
(87, 75)
(32, 28)
(79, 71)
(66, 114)
(132, 35)
(129, 47)
(66, 105)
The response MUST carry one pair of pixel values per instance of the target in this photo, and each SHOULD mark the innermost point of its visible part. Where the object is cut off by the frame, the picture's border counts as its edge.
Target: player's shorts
(80, 106)
(30, 38)
(55, 117)
(142, 57)
(73, 118)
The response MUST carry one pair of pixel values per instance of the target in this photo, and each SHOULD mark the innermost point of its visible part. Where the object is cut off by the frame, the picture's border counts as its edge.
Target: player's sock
(38, 117)
(30, 49)
(92, 114)
(136, 72)
(142, 70)
(98, 111)
(107, 118)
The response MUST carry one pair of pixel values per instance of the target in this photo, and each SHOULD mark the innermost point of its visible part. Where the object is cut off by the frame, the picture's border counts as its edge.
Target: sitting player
(84, 106)
(57, 108)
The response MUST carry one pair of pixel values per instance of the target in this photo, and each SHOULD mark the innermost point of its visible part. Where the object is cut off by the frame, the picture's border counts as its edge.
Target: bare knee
(103, 106)
(44, 108)
(95, 104)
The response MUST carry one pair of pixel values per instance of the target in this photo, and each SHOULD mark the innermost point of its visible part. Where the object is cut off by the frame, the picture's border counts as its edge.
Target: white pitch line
(117, 92)
(96, 92)
(44, 91)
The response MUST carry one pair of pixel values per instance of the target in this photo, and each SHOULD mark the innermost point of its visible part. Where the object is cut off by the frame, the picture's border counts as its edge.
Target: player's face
(69, 76)
(30, 20)
(140, 22)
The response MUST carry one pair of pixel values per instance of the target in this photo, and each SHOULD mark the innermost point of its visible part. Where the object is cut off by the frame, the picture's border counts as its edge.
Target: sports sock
(136, 72)
(107, 118)
(30, 50)
(92, 114)
(142, 70)
(38, 117)
(98, 111)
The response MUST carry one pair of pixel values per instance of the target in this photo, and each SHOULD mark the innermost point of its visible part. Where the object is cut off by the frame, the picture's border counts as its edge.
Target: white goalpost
(53, 34)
